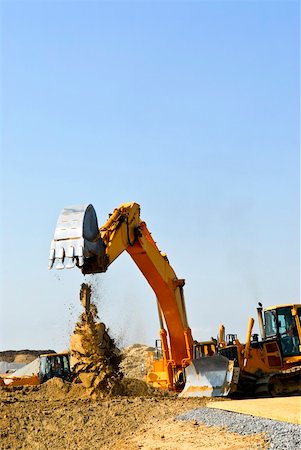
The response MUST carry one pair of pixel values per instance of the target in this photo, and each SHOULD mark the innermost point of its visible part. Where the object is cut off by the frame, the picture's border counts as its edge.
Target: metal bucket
(76, 239)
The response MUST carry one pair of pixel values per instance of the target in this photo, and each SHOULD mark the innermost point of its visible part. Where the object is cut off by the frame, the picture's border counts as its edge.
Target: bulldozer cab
(284, 323)
(54, 365)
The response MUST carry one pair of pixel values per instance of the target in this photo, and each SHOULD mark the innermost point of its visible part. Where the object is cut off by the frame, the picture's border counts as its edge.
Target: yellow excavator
(78, 241)
(180, 363)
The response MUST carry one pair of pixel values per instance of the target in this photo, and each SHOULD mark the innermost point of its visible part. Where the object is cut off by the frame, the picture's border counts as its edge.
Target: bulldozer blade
(208, 377)
(76, 239)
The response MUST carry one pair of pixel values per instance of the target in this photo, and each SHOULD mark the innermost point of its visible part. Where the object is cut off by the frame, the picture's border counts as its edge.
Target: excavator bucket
(77, 241)
(208, 377)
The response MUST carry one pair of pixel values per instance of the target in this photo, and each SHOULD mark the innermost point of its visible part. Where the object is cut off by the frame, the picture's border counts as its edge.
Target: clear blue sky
(190, 109)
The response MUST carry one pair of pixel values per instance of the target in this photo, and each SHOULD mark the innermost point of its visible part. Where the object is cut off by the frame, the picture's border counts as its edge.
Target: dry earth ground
(59, 416)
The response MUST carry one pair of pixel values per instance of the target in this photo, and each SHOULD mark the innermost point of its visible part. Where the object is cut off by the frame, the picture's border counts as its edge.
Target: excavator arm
(79, 242)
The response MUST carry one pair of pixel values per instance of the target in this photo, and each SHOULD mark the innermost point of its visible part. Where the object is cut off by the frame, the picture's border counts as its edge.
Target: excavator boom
(78, 241)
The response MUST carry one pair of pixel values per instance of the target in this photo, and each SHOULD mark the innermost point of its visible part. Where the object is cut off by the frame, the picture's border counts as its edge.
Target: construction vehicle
(270, 365)
(179, 362)
(78, 241)
(46, 366)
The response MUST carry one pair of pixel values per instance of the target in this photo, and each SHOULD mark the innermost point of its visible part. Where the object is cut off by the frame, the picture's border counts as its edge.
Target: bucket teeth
(60, 259)
(51, 258)
(70, 263)
(80, 255)
(76, 239)
(70, 258)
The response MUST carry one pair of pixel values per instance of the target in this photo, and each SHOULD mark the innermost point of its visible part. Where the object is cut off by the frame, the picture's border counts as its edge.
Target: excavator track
(286, 382)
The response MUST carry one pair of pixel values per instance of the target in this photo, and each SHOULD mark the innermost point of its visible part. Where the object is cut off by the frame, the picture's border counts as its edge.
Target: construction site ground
(55, 415)
(285, 409)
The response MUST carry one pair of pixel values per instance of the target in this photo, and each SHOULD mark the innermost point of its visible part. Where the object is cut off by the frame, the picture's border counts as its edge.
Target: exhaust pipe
(260, 322)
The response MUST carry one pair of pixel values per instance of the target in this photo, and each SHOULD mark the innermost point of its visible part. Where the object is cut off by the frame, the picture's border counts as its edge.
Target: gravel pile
(280, 435)
(5, 366)
(29, 369)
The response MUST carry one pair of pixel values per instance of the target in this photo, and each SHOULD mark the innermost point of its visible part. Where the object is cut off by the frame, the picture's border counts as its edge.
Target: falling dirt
(95, 358)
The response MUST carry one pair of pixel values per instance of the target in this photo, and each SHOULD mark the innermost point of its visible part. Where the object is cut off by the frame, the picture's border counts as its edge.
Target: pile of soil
(95, 359)
(22, 356)
(134, 357)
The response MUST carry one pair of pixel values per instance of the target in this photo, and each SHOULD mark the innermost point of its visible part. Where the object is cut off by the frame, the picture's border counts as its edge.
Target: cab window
(270, 323)
(288, 332)
(65, 364)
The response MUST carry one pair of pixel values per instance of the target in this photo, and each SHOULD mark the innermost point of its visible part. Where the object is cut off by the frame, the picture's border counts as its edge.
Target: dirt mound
(95, 358)
(56, 389)
(133, 364)
(22, 356)
(132, 387)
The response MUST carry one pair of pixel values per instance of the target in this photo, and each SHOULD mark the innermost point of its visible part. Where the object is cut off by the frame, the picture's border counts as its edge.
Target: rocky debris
(6, 367)
(278, 435)
(95, 358)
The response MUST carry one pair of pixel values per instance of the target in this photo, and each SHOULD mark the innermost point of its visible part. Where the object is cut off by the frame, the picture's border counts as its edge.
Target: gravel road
(280, 435)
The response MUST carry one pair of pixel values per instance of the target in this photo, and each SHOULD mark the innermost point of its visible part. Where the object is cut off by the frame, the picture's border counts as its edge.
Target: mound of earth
(133, 387)
(57, 389)
(22, 356)
(134, 361)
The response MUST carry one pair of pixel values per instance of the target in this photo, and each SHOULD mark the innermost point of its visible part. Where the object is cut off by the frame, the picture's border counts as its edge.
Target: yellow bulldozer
(265, 365)
(180, 362)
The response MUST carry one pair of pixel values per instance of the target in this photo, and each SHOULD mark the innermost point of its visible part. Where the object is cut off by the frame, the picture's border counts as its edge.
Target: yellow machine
(270, 365)
(179, 362)
(45, 367)
(78, 241)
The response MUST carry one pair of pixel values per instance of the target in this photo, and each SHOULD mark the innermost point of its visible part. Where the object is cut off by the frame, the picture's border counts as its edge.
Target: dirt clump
(95, 359)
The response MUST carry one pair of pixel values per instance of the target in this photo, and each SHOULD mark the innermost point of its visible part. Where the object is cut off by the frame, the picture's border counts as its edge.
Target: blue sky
(190, 109)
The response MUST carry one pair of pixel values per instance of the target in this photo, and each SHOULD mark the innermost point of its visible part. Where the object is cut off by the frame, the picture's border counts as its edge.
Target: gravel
(280, 435)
